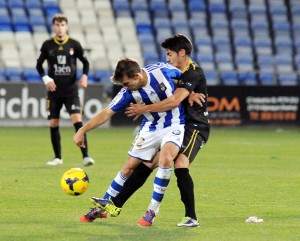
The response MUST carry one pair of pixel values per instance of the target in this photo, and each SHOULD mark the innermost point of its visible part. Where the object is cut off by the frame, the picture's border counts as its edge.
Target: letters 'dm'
(223, 104)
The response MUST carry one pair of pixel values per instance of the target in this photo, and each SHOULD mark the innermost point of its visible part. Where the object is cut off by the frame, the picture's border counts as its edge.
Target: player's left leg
(186, 187)
(194, 140)
(171, 142)
(77, 122)
(73, 107)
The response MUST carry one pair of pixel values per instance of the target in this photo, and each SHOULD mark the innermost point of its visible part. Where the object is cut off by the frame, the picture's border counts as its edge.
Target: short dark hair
(59, 18)
(178, 42)
(125, 67)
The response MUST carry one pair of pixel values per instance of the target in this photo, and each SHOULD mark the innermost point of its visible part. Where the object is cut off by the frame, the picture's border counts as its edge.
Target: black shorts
(55, 103)
(194, 140)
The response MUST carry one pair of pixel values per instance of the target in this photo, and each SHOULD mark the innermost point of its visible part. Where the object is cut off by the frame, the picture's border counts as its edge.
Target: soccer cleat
(88, 161)
(188, 222)
(55, 161)
(107, 205)
(147, 219)
(93, 214)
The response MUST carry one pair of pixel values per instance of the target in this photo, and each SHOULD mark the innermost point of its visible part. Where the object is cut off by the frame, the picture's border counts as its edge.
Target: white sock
(116, 186)
(161, 182)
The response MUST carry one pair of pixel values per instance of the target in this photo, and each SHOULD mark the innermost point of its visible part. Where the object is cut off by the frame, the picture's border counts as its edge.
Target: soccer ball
(74, 181)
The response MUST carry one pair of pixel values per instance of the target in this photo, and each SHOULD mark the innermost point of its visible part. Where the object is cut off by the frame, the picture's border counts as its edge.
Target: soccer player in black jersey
(178, 49)
(197, 128)
(61, 53)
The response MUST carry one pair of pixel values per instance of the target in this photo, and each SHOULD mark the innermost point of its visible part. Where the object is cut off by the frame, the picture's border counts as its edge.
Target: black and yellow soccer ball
(74, 181)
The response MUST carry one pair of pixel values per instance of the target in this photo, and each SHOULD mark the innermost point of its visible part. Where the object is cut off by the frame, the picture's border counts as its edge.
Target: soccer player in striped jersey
(162, 131)
(197, 128)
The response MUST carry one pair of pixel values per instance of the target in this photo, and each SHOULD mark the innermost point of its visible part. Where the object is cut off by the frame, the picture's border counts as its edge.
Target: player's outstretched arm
(93, 123)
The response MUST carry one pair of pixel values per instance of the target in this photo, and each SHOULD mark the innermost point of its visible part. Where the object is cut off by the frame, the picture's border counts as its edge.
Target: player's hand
(199, 98)
(49, 82)
(78, 139)
(83, 82)
(135, 110)
(51, 86)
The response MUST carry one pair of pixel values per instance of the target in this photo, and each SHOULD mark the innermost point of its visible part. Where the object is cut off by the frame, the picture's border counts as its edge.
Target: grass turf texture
(241, 172)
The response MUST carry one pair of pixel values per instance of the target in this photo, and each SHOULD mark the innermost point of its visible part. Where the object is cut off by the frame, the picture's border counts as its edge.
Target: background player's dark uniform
(197, 125)
(62, 59)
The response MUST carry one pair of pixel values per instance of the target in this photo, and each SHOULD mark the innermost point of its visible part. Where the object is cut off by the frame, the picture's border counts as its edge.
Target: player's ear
(136, 76)
(181, 52)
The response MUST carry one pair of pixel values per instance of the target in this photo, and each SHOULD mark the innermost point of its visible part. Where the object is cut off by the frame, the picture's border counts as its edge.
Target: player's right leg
(54, 106)
(133, 183)
(55, 141)
(121, 177)
(144, 147)
(92, 214)
(76, 118)
(112, 191)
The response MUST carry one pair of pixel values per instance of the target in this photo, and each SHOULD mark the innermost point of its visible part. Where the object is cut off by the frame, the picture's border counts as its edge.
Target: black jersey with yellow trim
(193, 79)
(62, 60)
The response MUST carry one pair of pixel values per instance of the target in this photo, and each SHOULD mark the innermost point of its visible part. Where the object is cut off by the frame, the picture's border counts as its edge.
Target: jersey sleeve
(82, 58)
(41, 59)
(190, 79)
(121, 100)
(172, 71)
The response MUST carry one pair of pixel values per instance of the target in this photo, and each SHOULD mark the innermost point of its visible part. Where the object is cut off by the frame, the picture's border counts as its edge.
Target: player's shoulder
(74, 40)
(49, 40)
(48, 43)
(193, 69)
(159, 65)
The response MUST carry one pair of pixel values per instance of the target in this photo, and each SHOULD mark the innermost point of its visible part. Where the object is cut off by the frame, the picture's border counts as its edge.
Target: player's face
(60, 29)
(172, 58)
(132, 83)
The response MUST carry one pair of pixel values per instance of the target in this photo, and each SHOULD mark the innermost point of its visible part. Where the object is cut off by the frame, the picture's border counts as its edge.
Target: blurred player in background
(178, 49)
(61, 53)
(162, 131)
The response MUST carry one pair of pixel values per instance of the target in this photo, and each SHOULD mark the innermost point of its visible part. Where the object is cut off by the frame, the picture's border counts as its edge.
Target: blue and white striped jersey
(159, 87)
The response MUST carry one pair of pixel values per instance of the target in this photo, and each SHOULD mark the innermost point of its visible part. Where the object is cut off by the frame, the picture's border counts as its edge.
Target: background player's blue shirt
(159, 87)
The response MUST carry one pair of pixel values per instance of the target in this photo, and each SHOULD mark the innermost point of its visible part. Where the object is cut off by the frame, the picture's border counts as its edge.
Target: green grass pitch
(241, 172)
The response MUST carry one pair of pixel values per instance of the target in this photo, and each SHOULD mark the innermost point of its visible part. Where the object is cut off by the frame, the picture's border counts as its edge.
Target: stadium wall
(24, 104)
(246, 105)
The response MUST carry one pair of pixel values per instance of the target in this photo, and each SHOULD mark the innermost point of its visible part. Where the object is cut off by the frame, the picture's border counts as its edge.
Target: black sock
(55, 140)
(84, 151)
(186, 188)
(133, 183)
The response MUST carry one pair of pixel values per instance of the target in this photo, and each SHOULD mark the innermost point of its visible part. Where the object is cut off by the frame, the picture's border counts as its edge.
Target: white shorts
(147, 143)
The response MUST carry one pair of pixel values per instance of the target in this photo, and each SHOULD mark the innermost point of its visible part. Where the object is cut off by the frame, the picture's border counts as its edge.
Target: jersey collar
(63, 42)
(188, 66)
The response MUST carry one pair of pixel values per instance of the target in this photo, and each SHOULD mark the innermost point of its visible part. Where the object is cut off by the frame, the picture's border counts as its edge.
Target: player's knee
(128, 169)
(181, 162)
(54, 123)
